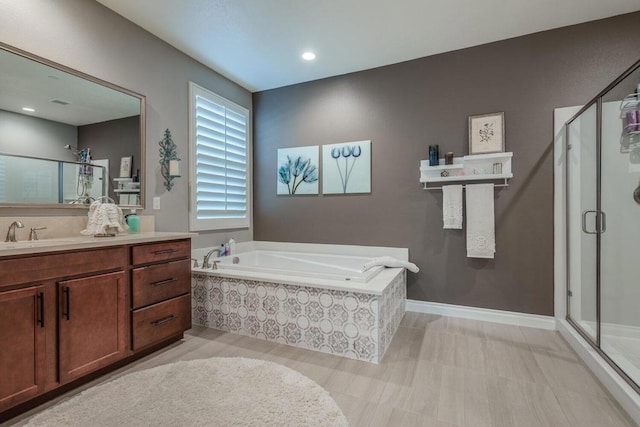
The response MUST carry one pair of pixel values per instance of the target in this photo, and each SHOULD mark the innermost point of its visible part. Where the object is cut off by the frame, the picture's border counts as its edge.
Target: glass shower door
(620, 239)
(582, 218)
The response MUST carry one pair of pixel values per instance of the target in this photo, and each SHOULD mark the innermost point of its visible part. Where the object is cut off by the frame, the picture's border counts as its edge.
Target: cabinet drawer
(54, 266)
(175, 249)
(163, 320)
(160, 282)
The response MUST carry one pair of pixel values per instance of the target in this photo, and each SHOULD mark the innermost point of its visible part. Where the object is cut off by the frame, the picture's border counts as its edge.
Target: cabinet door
(22, 345)
(93, 315)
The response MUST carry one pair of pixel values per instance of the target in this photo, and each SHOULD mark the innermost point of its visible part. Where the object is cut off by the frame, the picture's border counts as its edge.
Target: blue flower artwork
(346, 168)
(297, 170)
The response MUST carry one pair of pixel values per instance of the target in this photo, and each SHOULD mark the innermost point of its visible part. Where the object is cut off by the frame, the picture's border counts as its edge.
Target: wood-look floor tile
(517, 403)
(505, 333)
(438, 372)
(512, 360)
(571, 374)
(540, 340)
(585, 410)
(438, 347)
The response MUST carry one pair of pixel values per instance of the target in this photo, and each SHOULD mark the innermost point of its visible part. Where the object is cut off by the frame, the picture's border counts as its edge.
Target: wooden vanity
(71, 312)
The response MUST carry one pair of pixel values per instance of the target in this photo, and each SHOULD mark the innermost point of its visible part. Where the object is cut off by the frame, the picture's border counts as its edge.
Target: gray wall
(112, 140)
(405, 107)
(31, 136)
(86, 36)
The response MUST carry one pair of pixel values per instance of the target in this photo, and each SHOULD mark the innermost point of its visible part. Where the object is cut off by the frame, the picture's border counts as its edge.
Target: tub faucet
(11, 234)
(205, 263)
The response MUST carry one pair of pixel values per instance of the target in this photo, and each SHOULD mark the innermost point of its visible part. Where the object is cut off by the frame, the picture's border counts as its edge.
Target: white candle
(174, 168)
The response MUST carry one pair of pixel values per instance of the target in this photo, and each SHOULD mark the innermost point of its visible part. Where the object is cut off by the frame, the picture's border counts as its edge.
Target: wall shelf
(476, 167)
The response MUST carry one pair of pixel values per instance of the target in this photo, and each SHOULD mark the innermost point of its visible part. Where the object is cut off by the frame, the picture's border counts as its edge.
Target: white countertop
(85, 242)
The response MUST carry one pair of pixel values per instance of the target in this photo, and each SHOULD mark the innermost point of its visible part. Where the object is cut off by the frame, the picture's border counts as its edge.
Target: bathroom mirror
(55, 116)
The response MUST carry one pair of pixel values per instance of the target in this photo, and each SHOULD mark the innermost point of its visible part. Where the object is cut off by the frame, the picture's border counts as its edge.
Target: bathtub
(312, 265)
(306, 295)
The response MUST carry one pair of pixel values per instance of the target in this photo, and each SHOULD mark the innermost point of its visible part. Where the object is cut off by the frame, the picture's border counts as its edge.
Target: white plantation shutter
(220, 161)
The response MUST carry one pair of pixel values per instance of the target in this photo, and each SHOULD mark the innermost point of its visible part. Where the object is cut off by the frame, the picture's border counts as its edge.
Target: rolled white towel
(388, 261)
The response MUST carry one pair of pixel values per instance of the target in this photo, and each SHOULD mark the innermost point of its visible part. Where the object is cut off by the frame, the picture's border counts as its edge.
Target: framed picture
(125, 166)
(486, 133)
(297, 170)
(346, 168)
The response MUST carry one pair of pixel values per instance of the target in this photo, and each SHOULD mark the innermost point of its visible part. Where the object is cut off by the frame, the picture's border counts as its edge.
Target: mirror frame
(143, 104)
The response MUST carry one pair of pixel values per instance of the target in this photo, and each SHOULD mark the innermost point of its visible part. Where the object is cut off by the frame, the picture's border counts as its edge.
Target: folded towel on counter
(104, 218)
(387, 261)
(481, 239)
(452, 206)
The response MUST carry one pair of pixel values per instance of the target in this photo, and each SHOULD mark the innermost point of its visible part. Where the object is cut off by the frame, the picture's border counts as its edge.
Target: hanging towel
(481, 240)
(452, 206)
(388, 261)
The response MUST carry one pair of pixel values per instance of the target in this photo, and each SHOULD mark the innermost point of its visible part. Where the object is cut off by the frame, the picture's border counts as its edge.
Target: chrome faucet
(33, 234)
(205, 263)
(11, 234)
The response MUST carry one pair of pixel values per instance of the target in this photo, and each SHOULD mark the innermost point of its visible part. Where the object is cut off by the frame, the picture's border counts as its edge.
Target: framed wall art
(346, 168)
(486, 133)
(125, 166)
(298, 170)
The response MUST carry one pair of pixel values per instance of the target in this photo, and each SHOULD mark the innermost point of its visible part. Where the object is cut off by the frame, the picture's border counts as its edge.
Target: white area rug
(208, 392)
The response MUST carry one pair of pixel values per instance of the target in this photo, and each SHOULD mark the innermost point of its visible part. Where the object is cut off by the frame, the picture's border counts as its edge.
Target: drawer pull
(67, 311)
(41, 311)
(165, 252)
(164, 282)
(165, 320)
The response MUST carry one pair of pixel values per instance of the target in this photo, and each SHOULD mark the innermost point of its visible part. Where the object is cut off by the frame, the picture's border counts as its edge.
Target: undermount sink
(33, 243)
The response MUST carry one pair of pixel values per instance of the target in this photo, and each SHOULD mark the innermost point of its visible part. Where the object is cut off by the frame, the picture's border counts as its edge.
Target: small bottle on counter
(133, 221)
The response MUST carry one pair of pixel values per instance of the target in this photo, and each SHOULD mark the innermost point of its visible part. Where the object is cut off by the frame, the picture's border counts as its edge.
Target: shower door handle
(584, 222)
(603, 222)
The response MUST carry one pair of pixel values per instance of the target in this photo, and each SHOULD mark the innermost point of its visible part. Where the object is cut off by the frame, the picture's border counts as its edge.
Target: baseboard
(483, 314)
(619, 389)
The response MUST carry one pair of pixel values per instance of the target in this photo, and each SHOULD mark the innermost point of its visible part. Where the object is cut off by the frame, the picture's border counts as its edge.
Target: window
(220, 162)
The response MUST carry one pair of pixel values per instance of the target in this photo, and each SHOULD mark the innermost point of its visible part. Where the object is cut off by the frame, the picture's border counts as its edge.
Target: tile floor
(438, 371)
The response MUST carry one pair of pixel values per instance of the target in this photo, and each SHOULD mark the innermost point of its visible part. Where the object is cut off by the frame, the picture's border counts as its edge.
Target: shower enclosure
(603, 224)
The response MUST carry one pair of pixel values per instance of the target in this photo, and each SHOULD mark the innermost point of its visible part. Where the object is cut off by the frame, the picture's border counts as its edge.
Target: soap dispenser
(133, 221)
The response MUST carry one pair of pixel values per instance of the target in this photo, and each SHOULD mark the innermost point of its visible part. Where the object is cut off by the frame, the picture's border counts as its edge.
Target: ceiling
(258, 43)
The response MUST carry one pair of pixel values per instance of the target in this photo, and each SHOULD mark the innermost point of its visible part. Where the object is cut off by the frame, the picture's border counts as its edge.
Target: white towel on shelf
(388, 261)
(452, 206)
(481, 239)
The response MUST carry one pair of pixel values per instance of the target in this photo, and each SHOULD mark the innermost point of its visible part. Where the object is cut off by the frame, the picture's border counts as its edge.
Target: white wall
(90, 38)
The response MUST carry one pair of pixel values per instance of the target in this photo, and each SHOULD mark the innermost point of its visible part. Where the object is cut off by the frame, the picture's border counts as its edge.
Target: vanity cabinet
(67, 314)
(22, 348)
(92, 323)
(161, 292)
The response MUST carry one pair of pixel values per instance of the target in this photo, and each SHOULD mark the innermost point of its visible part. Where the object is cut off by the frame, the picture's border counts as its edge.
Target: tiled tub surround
(351, 319)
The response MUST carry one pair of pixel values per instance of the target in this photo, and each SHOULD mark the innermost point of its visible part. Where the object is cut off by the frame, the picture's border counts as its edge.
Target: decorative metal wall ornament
(169, 166)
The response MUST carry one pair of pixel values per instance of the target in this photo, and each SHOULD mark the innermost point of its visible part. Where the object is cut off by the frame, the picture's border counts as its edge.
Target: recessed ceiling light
(29, 109)
(308, 56)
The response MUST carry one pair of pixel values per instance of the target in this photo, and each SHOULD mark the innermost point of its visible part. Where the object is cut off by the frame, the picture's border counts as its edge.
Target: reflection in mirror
(65, 134)
(50, 181)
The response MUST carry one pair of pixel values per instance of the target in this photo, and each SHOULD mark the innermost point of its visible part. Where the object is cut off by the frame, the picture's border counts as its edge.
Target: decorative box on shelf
(475, 167)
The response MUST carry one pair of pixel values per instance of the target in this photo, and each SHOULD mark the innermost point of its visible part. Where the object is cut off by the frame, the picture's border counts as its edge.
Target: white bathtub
(306, 295)
(310, 265)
